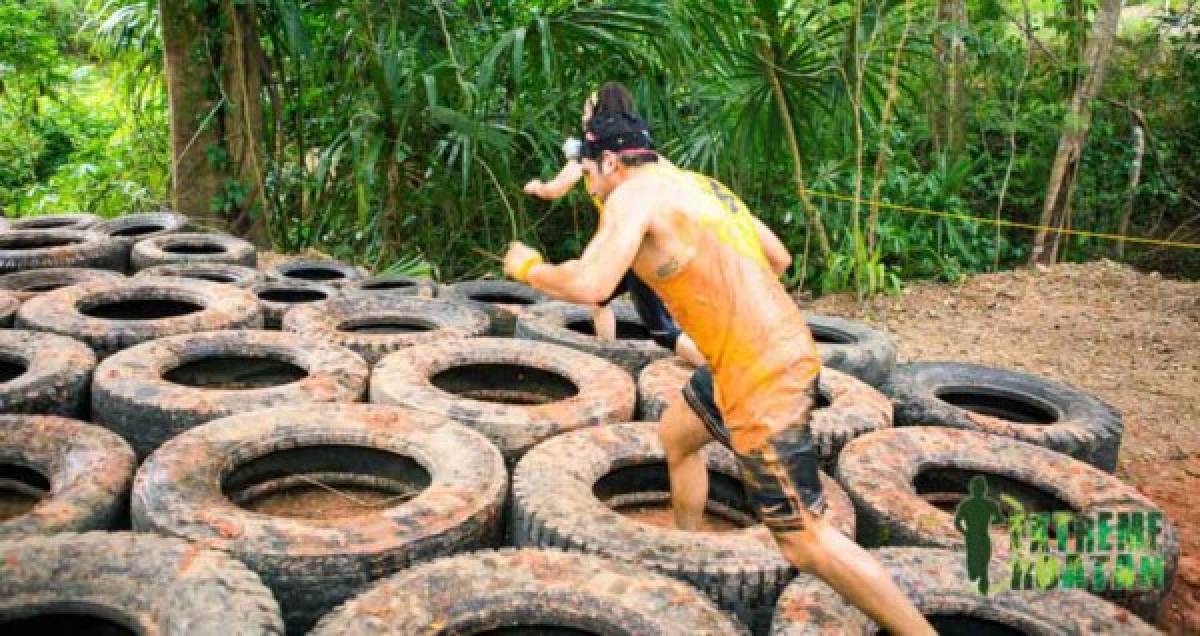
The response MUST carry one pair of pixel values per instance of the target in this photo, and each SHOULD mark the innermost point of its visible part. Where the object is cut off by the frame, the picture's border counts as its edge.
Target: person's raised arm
(562, 183)
(777, 254)
(591, 278)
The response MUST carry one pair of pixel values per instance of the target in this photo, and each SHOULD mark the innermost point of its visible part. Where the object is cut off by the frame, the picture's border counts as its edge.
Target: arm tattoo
(668, 269)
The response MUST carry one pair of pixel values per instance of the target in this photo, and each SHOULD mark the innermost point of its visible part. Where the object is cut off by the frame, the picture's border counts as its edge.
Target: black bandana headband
(615, 133)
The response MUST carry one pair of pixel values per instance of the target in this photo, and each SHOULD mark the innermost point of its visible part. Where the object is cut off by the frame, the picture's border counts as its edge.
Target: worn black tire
(183, 248)
(27, 284)
(395, 284)
(63, 311)
(547, 590)
(402, 321)
(313, 565)
(934, 580)
(323, 272)
(55, 222)
(44, 373)
(881, 471)
(551, 390)
(22, 250)
(143, 583)
(571, 326)
(128, 230)
(853, 347)
(78, 473)
(236, 275)
(277, 297)
(132, 395)
(9, 304)
(503, 300)
(1026, 407)
(846, 406)
(555, 503)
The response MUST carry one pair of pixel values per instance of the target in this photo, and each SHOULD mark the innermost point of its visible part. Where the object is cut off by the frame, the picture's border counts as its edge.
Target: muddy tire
(44, 373)
(34, 282)
(547, 590)
(374, 325)
(9, 304)
(853, 347)
(1018, 405)
(846, 407)
(503, 300)
(934, 580)
(158, 389)
(106, 583)
(277, 297)
(74, 476)
(22, 250)
(517, 393)
(236, 275)
(185, 248)
(896, 477)
(571, 326)
(571, 506)
(109, 316)
(321, 272)
(130, 229)
(55, 222)
(395, 285)
(457, 477)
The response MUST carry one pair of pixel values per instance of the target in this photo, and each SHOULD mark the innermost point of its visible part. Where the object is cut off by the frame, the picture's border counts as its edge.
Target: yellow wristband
(523, 270)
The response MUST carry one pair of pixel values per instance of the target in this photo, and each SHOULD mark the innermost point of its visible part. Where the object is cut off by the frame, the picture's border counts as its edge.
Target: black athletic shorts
(781, 478)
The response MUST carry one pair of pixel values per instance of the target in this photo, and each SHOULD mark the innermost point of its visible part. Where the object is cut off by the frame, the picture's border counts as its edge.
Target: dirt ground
(1129, 337)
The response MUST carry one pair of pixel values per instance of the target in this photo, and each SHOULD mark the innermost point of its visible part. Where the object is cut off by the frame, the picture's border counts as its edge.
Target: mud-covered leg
(683, 438)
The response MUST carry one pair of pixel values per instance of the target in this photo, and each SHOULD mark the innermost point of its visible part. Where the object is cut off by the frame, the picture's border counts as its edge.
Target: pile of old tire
(182, 248)
(130, 229)
(445, 484)
(112, 315)
(571, 325)
(569, 491)
(60, 475)
(158, 389)
(846, 407)
(277, 297)
(122, 583)
(1026, 407)
(44, 373)
(905, 481)
(9, 303)
(529, 592)
(503, 300)
(517, 393)
(55, 222)
(236, 275)
(324, 272)
(853, 347)
(22, 250)
(34, 282)
(395, 284)
(374, 325)
(933, 579)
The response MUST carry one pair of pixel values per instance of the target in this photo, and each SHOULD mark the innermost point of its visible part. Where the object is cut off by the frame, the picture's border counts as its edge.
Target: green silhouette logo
(973, 518)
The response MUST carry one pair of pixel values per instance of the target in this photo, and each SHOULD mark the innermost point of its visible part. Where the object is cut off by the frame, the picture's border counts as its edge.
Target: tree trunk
(243, 124)
(1135, 177)
(951, 51)
(1075, 129)
(195, 181)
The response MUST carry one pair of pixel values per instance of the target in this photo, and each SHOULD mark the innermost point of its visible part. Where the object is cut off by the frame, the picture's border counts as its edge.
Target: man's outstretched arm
(591, 278)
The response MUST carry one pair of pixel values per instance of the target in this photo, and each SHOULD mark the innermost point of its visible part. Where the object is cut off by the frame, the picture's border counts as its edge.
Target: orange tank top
(733, 306)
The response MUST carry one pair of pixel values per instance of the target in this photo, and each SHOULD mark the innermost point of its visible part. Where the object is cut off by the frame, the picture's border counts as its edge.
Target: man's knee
(802, 548)
(680, 432)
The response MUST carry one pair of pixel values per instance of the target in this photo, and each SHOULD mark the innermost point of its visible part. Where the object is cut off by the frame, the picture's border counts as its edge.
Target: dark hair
(623, 133)
(613, 98)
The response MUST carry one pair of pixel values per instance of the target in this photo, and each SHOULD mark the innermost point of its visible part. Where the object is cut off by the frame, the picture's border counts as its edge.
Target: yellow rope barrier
(1004, 222)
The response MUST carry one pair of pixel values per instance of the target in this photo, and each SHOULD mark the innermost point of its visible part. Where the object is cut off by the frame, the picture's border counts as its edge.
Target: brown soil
(314, 502)
(660, 514)
(1131, 338)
